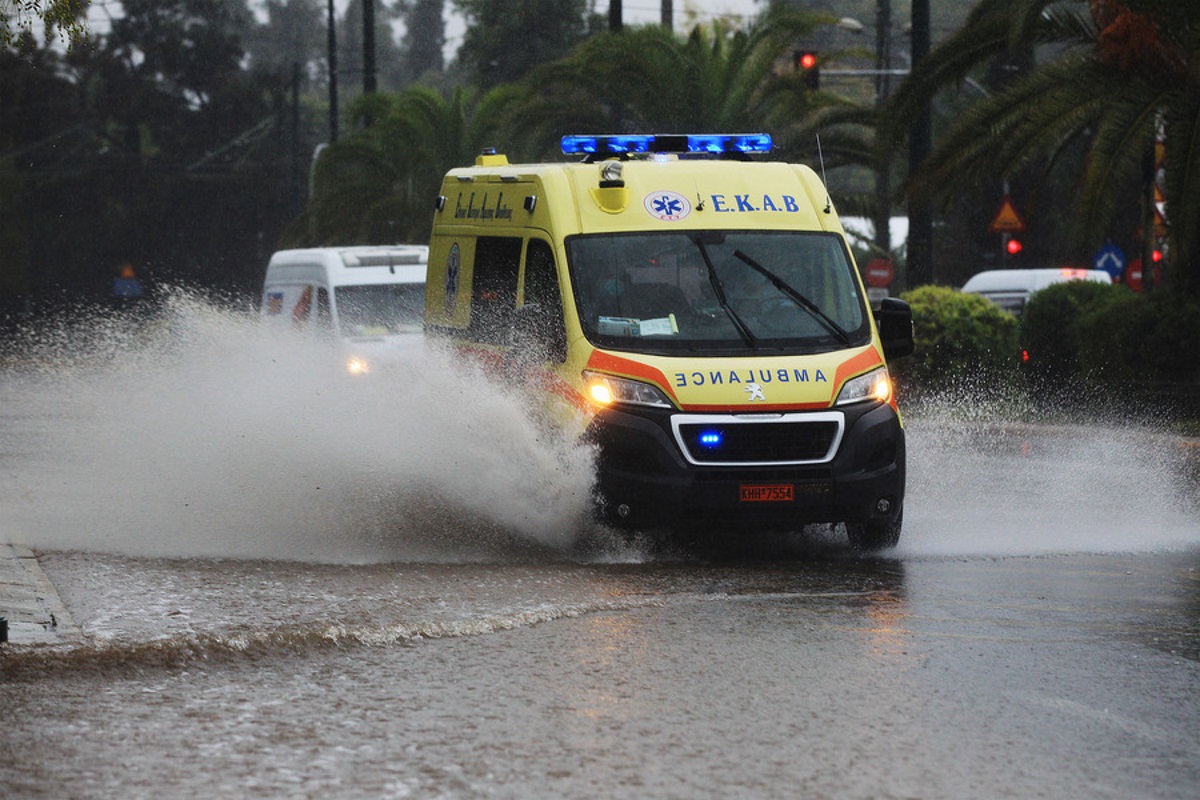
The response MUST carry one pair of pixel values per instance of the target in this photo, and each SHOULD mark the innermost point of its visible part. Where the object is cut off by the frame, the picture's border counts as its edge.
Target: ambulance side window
(494, 288)
(541, 289)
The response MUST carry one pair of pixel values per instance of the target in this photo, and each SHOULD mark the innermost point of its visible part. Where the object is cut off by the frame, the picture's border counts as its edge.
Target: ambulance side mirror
(538, 334)
(895, 323)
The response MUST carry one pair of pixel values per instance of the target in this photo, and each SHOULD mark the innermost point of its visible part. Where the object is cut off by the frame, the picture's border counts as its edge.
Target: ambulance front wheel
(868, 537)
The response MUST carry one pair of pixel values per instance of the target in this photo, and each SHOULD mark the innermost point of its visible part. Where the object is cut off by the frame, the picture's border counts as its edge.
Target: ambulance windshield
(717, 290)
(380, 309)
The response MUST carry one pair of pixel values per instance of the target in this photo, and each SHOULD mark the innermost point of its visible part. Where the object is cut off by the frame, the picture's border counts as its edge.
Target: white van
(1010, 288)
(371, 297)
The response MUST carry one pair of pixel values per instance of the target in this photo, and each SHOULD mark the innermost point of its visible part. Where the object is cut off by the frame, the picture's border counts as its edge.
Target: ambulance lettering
(497, 210)
(742, 203)
(751, 376)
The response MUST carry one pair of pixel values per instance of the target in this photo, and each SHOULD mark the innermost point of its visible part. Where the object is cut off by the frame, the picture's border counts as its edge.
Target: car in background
(1010, 288)
(371, 297)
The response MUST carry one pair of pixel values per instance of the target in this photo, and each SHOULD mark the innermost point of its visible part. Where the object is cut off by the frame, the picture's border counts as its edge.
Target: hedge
(958, 337)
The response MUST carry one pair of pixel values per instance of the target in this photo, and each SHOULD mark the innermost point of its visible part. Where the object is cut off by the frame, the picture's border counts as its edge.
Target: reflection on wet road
(822, 676)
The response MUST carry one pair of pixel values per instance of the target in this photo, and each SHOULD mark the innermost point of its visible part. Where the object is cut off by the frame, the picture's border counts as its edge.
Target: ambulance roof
(628, 183)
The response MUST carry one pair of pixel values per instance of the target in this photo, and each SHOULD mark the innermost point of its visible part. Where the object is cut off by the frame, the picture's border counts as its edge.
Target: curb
(29, 603)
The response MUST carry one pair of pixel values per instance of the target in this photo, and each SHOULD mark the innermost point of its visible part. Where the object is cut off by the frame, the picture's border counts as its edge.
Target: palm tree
(716, 79)
(1113, 78)
(377, 185)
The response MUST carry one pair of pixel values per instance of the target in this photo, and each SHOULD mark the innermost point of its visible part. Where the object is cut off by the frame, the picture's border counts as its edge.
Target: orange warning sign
(1007, 220)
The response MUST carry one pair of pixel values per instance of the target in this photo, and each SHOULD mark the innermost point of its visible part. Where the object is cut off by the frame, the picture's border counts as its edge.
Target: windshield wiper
(795, 296)
(719, 290)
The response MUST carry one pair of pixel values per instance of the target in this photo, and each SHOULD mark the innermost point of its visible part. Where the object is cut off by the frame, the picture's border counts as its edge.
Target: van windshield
(380, 309)
(739, 291)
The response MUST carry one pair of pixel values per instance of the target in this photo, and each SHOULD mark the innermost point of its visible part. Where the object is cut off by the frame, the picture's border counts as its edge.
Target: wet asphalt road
(292, 587)
(797, 674)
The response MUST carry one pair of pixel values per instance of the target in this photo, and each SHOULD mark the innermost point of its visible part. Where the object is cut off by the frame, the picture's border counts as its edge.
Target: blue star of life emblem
(668, 206)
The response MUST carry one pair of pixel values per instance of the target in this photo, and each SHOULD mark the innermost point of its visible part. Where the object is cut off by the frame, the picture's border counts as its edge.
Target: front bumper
(645, 480)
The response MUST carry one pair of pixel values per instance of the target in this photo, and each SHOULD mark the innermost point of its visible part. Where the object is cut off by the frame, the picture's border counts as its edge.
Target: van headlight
(605, 390)
(875, 385)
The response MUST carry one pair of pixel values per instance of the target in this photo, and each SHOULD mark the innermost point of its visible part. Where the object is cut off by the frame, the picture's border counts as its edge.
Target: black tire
(868, 537)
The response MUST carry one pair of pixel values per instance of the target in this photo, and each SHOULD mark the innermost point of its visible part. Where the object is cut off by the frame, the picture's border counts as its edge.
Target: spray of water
(991, 474)
(202, 432)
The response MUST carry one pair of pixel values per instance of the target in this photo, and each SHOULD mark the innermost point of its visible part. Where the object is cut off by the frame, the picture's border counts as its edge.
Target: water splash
(992, 475)
(201, 432)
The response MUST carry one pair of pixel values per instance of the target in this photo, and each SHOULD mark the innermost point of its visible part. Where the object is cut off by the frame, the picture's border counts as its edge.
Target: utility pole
(883, 63)
(668, 15)
(297, 192)
(369, 84)
(333, 97)
(615, 22)
(920, 215)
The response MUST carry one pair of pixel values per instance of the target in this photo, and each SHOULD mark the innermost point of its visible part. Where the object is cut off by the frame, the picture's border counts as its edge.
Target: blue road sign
(1111, 259)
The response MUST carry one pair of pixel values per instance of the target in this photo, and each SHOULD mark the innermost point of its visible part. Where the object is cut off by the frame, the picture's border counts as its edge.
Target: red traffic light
(808, 64)
(1013, 246)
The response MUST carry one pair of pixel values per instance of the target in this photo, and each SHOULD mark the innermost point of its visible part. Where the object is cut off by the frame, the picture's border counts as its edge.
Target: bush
(1109, 350)
(959, 337)
(1050, 331)
(1130, 342)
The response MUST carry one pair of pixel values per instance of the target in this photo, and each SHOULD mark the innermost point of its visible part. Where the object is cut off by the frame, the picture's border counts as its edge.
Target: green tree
(294, 33)
(154, 146)
(507, 38)
(1112, 78)
(66, 17)
(171, 70)
(424, 37)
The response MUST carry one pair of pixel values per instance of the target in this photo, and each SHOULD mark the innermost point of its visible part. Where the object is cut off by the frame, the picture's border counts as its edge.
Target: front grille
(761, 439)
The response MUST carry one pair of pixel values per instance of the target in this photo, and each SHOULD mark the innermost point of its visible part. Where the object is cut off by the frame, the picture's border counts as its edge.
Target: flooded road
(290, 587)
(824, 676)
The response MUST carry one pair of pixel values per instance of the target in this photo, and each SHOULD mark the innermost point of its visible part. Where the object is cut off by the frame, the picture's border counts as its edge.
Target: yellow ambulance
(694, 311)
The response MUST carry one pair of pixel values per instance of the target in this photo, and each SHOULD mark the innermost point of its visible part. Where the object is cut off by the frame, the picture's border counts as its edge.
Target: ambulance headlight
(605, 390)
(874, 386)
(357, 365)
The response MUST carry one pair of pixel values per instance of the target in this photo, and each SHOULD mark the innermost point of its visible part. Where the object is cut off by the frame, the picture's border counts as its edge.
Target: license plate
(766, 493)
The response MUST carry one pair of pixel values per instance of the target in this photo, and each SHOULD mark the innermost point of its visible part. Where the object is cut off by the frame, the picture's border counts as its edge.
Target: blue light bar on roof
(606, 144)
(715, 143)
